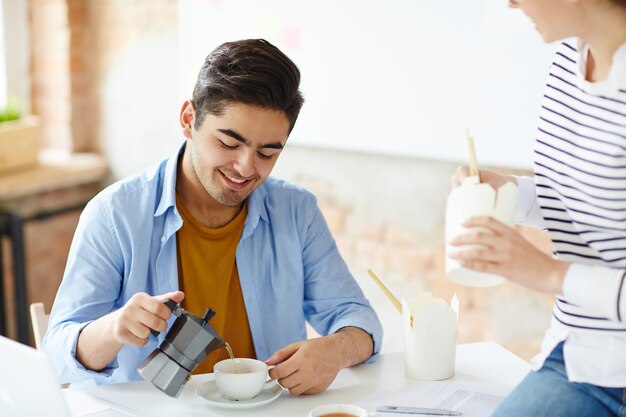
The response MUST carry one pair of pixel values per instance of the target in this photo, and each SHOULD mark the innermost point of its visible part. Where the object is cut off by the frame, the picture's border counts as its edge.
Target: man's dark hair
(250, 71)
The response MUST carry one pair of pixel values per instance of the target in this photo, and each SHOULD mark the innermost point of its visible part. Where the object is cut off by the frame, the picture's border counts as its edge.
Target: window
(3, 68)
(14, 53)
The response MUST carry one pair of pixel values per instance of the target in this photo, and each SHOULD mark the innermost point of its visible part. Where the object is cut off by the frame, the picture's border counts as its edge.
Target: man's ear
(187, 118)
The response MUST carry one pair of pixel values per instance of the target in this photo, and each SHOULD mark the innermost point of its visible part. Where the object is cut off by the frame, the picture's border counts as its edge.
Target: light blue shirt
(289, 267)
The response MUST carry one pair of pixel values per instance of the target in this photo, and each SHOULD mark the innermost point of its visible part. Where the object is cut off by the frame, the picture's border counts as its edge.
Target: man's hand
(100, 340)
(142, 313)
(310, 366)
(506, 253)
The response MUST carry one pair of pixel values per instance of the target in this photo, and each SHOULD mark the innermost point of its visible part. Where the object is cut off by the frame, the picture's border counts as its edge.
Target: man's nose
(244, 164)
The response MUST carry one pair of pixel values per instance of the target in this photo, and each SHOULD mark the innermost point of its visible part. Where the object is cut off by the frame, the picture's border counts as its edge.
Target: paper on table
(84, 404)
(109, 412)
(445, 395)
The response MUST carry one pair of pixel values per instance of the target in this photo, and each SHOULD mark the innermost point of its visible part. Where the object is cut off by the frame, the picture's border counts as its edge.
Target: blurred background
(390, 87)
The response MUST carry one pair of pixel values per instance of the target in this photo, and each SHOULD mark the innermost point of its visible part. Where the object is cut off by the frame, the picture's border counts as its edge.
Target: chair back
(39, 320)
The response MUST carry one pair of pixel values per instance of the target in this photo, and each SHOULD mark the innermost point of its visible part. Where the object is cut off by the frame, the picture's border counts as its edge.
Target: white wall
(395, 77)
(14, 53)
(3, 64)
(398, 77)
(140, 104)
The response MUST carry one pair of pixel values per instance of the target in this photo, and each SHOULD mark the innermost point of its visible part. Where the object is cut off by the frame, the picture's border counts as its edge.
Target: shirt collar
(257, 207)
(617, 77)
(168, 193)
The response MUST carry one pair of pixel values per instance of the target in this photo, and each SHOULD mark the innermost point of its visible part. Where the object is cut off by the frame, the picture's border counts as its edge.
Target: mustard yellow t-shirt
(207, 273)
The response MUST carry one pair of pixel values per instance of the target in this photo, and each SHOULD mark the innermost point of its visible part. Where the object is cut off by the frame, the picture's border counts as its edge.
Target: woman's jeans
(547, 392)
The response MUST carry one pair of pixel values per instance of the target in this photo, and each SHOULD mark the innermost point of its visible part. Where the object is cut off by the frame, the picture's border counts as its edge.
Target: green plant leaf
(10, 112)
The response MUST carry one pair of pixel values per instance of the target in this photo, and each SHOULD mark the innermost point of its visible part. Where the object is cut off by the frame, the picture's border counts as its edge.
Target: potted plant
(19, 139)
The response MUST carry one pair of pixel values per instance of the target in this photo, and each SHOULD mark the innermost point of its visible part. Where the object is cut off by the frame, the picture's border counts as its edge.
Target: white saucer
(208, 391)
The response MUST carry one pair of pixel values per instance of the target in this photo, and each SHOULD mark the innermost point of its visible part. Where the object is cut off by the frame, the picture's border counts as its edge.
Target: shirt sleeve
(528, 212)
(332, 297)
(90, 286)
(597, 289)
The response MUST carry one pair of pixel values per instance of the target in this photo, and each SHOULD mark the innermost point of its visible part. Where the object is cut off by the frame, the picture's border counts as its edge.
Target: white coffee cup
(241, 378)
(343, 410)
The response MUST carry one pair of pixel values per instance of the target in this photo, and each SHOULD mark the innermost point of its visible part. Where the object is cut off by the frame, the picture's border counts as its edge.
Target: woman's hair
(250, 71)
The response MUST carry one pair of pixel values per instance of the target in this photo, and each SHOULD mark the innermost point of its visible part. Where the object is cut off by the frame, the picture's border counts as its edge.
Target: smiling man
(208, 227)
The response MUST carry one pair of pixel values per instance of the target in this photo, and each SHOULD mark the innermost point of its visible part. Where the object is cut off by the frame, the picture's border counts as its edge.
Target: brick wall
(83, 60)
(50, 71)
(74, 44)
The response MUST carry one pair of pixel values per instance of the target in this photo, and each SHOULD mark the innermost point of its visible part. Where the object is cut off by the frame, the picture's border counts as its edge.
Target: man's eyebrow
(233, 135)
(238, 137)
(273, 145)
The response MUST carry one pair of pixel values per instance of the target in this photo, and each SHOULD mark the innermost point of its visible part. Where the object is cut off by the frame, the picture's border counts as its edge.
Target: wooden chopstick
(388, 293)
(472, 154)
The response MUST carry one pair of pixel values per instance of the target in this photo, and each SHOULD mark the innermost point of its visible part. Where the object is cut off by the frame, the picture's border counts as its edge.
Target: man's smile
(234, 182)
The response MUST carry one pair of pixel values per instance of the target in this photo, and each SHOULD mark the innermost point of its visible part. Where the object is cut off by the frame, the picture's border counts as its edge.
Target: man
(208, 228)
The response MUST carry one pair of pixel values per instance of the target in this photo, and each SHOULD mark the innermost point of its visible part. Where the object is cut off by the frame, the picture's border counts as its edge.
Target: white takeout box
(430, 342)
(470, 199)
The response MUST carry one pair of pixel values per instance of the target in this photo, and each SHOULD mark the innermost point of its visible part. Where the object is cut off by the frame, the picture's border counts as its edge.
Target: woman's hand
(506, 253)
(489, 177)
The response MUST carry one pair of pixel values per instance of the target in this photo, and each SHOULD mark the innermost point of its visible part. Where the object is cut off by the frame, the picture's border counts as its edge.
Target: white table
(484, 364)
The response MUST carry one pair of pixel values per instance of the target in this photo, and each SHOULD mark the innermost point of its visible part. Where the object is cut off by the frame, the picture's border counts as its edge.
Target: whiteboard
(397, 77)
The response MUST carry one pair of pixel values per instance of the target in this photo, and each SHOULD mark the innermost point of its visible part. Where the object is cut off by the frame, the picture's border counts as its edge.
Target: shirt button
(162, 239)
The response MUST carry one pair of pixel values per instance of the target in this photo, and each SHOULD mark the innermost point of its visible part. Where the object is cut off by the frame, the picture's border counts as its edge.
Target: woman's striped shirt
(580, 185)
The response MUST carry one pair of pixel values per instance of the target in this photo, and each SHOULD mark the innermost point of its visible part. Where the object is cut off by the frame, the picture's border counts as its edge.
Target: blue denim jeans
(548, 393)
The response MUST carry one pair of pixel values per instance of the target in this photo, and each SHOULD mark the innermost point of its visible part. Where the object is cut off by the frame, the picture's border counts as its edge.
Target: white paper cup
(250, 379)
(334, 409)
(472, 199)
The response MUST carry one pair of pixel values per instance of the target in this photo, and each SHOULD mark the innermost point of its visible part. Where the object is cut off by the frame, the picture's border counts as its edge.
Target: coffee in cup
(241, 378)
(339, 410)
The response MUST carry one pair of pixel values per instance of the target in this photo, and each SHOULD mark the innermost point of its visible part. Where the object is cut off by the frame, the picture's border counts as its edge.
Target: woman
(578, 194)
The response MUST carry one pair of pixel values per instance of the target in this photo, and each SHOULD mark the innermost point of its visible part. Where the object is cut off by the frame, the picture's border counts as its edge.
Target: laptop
(29, 387)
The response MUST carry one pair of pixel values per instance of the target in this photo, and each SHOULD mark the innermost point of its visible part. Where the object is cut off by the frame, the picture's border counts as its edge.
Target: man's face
(234, 153)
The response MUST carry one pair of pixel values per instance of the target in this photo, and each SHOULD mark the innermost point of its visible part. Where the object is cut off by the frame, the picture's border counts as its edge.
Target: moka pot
(188, 342)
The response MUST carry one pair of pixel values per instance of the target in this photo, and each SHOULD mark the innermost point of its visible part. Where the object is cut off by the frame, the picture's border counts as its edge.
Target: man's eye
(227, 146)
(263, 156)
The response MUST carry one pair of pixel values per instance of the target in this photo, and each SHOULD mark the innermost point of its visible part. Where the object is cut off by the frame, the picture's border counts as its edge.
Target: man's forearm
(96, 345)
(355, 345)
